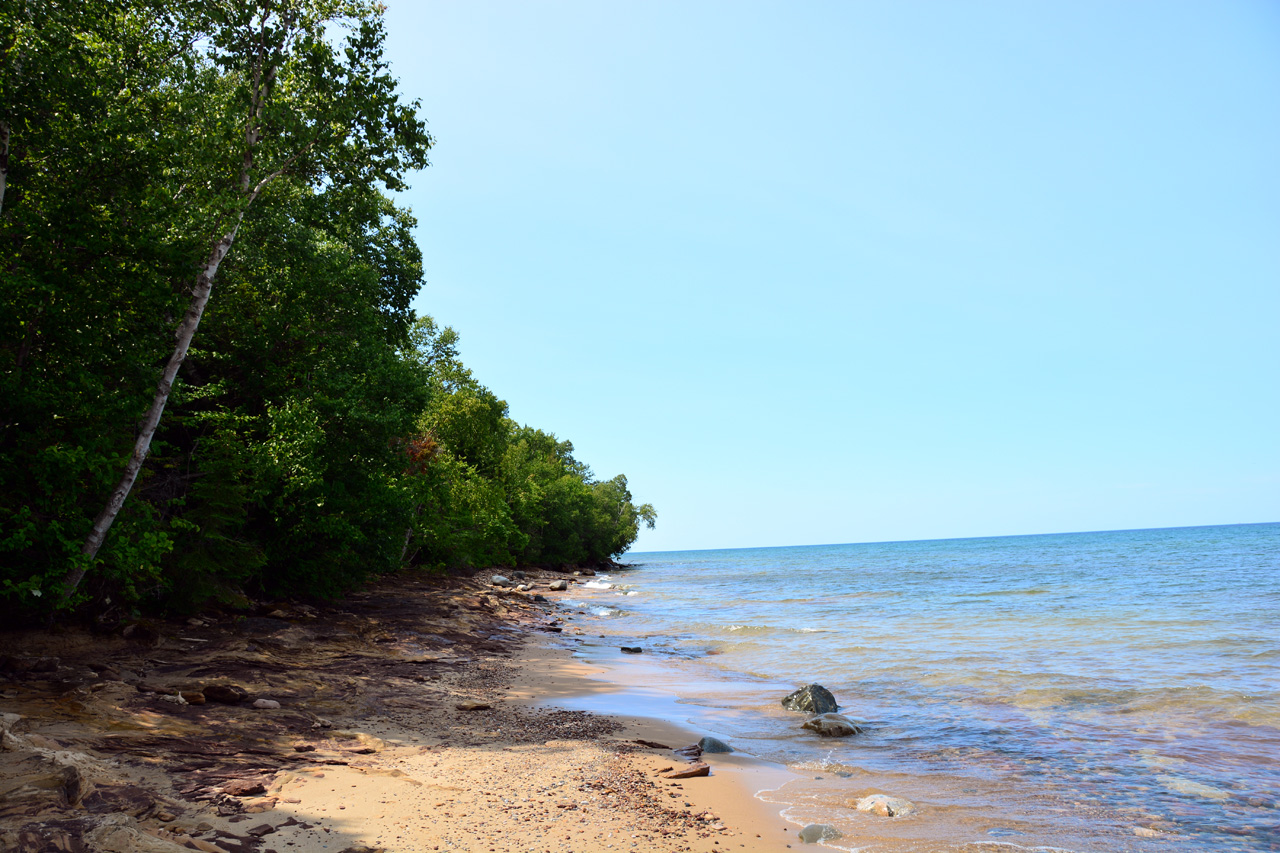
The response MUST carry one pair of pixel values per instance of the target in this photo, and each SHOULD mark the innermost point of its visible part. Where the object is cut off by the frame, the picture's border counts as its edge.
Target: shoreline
(416, 714)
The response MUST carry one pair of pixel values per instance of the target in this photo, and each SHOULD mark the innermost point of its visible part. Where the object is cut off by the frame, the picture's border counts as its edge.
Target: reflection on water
(1107, 691)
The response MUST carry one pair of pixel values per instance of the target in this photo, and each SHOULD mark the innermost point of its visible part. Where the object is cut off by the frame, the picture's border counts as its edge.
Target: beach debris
(698, 768)
(832, 725)
(815, 832)
(244, 787)
(813, 698)
(691, 751)
(558, 586)
(499, 580)
(226, 694)
(711, 744)
(266, 704)
(885, 806)
(652, 744)
(473, 706)
(632, 650)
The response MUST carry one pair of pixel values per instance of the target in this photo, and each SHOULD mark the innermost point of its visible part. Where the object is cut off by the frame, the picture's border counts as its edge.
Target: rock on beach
(814, 698)
(713, 745)
(832, 725)
(885, 806)
(815, 832)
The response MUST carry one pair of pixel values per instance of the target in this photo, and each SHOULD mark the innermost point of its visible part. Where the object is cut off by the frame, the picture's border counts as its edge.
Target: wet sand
(417, 715)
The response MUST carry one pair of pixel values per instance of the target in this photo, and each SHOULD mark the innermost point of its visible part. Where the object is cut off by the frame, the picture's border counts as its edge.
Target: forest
(212, 384)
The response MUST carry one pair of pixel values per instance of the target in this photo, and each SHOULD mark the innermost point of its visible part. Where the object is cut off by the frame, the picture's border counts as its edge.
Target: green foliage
(318, 431)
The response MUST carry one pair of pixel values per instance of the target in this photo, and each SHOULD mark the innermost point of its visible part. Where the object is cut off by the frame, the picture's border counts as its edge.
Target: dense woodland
(216, 174)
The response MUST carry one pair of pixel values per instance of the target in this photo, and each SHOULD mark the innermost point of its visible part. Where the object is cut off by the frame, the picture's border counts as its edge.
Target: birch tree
(292, 90)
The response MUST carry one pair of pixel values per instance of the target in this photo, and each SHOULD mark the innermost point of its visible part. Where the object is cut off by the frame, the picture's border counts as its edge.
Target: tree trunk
(4, 161)
(142, 447)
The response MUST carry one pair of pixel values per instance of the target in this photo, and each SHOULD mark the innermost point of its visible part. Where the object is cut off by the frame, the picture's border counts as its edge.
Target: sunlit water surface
(1089, 691)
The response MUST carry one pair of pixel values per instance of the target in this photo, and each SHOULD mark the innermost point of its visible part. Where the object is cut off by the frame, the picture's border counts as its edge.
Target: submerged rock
(815, 699)
(832, 725)
(815, 832)
(711, 744)
(632, 650)
(885, 806)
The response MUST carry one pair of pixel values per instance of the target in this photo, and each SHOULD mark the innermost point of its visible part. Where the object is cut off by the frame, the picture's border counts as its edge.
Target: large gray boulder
(813, 699)
(558, 586)
(500, 580)
(832, 725)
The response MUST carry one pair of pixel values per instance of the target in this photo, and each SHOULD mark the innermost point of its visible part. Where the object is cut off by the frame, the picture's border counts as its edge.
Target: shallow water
(1091, 692)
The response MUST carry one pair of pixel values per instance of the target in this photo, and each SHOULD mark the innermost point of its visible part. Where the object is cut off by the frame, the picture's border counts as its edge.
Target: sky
(867, 271)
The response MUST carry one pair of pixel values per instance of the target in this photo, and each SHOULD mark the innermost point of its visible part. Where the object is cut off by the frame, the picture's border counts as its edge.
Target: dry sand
(414, 716)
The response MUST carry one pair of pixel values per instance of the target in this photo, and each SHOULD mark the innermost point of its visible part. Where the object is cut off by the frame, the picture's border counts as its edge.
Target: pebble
(815, 832)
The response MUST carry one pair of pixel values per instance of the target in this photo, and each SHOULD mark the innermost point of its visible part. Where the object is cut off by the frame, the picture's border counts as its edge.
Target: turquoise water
(1088, 691)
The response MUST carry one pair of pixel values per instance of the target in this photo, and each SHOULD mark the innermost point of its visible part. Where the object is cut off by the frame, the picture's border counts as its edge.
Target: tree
(303, 106)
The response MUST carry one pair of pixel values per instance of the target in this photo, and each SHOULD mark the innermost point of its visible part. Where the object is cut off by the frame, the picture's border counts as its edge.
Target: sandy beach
(419, 714)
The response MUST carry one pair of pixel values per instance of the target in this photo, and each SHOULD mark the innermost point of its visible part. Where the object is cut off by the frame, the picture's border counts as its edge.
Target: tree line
(211, 379)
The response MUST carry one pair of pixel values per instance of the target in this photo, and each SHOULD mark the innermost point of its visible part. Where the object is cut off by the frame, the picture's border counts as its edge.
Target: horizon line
(958, 538)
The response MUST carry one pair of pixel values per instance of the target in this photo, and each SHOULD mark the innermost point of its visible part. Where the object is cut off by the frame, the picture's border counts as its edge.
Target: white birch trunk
(4, 161)
(142, 447)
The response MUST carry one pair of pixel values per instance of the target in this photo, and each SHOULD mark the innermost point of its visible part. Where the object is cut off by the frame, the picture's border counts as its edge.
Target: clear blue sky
(841, 272)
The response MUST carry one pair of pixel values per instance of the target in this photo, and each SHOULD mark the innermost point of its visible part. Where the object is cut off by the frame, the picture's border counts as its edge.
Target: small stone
(266, 704)
(244, 788)
(524, 587)
(261, 830)
(500, 580)
(632, 650)
(278, 614)
(814, 699)
(304, 747)
(832, 725)
(815, 832)
(698, 768)
(43, 742)
(885, 806)
(473, 706)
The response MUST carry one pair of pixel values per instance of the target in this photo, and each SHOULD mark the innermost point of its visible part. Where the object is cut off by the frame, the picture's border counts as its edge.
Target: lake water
(1108, 691)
